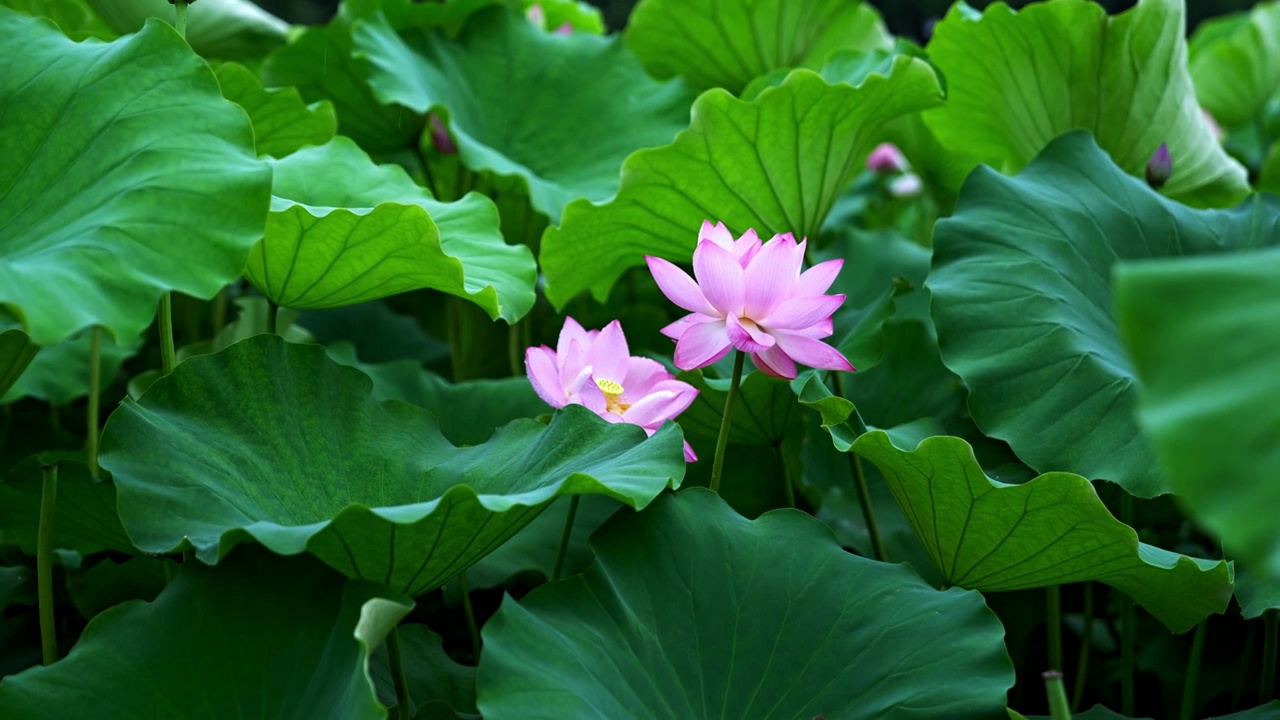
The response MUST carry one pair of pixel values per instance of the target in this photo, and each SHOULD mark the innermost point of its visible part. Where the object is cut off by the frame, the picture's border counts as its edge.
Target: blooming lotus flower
(886, 159)
(594, 368)
(752, 297)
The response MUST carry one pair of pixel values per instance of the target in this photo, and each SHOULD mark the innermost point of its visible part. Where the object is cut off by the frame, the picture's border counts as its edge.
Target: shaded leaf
(1234, 61)
(59, 374)
(282, 123)
(16, 351)
(74, 18)
(225, 29)
(109, 583)
(86, 519)
(431, 675)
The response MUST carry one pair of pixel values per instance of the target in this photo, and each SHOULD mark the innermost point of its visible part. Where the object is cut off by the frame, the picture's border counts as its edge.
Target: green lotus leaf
(1016, 80)
(1262, 712)
(260, 636)
(525, 103)
(282, 123)
(431, 675)
(535, 547)
(377, 233)
(11, 580)
(109, 583)
(1022, 300)
(1204, 335)
(87, 521)
(1235, 63)
(372, 488)
(713, 43)
(73, 17)
(59, 374)
(448, 15)
(1052, 530)
(16, 351)
(765, 410)
(678, 617)
(224, 29)
(775, 163)
(124, 149)
(1256, 593)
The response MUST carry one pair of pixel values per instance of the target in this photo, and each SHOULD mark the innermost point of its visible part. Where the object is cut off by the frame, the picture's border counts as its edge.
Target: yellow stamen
(612, 391)
(610, 387)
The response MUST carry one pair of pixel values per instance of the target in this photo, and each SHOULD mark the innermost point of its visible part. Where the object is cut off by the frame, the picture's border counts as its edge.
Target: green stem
(1267, 689)
(44, 564)
(1053, 622)
(514, 349)
(220, 311)
(1128, 617)
(1057, 692)
(788, 485)
(272, 311)
(868, 512)
(168, 355)
(564, 538)
(95, 381)
(722, 442)
(1086, 643)
(404, 706)
(180, 17)
(1193, 671)
(470, 612)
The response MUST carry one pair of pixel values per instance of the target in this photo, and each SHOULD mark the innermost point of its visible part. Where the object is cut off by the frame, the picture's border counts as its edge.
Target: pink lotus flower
(595, 369)
(886, 159)
(752, 297)
(538, 17)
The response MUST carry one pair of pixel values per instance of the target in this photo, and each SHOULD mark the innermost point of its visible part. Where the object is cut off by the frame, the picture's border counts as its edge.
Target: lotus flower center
(612, 390)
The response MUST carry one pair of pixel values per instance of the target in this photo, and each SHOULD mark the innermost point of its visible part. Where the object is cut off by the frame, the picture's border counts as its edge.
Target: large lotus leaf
(1204, 335)
(73, 17)
(282, 123)
(274, 442)
(1256, 593)
(726, 44)
(561, 112)
(431, 675)
(1235, 63)
(260, 636)
(535, 548)
(775, 163)
(16, 351)
(1054, 529)
(59, 374)
(126, 174)
(764, 413)
(1016, 80)
(86, 520)
(693, 611)
(1022, 301)
(377, 233)
(226, 29)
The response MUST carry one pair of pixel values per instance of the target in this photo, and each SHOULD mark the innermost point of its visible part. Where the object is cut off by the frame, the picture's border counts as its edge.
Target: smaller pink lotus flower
(886, 159)
(752, 297)
(594, 368)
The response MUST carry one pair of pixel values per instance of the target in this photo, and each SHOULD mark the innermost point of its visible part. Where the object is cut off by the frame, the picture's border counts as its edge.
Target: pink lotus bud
(886, 159)
(906, 185)
(1159, 167)
(565, 29)
(537, 16)
(440, 138)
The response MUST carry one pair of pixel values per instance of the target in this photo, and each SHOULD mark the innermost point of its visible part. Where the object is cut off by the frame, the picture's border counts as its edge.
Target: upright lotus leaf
(16, 350)
(989, 536)
(224, 29)
(693, 611)
(775, 163)
(1204, 335)
(86, 520)
(272, 442)
(73, 17)
(432, 676)
(1235, 63)
(559, 112)
(728, 43)
(260, 636)
(282, 123)
(126, 174)
(1022, 300)
(376, 233)
(1016, 80)
(59, 374)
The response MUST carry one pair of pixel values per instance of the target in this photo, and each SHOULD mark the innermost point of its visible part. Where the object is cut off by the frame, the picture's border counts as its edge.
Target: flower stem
(219, 312)
(404, 705)
(44, 564)
(1058, 709)
(1053, 623)
(1267, 689)
(95, 380)
(180, 17)
(868, 512)
(722, 442)
(1127, 619)
(168, 355)
(470, 612)
(1193, 671)
(272, 311)
(1086, 642)
(514, 336)
(788, 485)
(564, 538)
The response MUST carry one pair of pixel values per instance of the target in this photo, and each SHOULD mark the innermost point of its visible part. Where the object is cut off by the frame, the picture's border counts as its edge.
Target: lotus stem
(168, 355)
(1127, 619)
(44, 563)
(404, 705)
(726, 421)
(1057, 692)
(1193, 671)
(868, 512)
(1086, 643)
(272, 311)
(514, 346)
(219, 312)
(1267, 689)
(788, 484)
(564, 538)
(180, 17)
(1053, 624)
(95, 382)
(470, 612)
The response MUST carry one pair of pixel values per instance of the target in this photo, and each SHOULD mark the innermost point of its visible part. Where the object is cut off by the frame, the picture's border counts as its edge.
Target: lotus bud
(886, 159)
(440, 138)
(565, 29)
(1159, 167)
(906, 185)
(537, 16)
